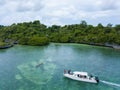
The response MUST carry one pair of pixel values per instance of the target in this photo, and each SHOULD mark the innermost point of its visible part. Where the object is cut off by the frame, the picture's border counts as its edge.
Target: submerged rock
(37, 75)
(38, 65)
(18, 77)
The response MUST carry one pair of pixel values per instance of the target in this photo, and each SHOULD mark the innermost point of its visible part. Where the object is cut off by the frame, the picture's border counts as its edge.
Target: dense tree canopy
(35, 33)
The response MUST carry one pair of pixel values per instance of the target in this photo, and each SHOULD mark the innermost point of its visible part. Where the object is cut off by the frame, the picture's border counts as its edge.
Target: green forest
(35, 33)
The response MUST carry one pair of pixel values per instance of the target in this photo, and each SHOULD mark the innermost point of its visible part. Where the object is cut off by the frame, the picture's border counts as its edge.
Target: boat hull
(92, 80)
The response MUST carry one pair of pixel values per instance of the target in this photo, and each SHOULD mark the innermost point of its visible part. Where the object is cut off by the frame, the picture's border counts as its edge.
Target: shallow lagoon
(18, 67)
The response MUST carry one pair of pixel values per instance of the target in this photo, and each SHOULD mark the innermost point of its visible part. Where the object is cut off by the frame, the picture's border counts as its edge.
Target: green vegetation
(38, 41)
(2, 44)
(35, 33)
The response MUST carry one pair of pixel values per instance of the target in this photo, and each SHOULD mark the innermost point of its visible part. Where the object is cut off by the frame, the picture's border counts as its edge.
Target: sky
(60, 12)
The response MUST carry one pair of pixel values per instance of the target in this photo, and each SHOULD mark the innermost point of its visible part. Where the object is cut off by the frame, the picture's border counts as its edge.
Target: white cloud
(108, 4)
(59, 12)
(29, 5)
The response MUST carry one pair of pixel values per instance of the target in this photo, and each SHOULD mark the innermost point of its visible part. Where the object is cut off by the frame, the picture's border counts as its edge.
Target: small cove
(18, 72)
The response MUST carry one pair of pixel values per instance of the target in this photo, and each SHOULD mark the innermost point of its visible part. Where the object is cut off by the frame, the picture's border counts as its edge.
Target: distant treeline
(35, 33)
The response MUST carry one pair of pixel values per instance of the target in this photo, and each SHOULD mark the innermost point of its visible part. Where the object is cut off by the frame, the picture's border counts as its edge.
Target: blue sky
(60, 12)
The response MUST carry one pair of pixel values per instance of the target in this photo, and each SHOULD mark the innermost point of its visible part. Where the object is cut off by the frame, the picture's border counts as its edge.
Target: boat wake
(110, 83)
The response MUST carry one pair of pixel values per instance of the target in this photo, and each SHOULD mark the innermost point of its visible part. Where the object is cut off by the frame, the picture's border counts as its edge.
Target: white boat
(81, 76)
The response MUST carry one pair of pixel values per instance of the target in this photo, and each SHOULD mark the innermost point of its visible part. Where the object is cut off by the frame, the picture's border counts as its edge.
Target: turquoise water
(18, 69)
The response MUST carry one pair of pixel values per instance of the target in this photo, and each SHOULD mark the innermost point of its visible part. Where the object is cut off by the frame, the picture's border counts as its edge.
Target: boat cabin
(81, 74)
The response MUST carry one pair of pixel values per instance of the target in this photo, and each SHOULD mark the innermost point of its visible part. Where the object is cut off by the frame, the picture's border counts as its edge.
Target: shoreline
(117, 47)
(5, 47)
(114, 46)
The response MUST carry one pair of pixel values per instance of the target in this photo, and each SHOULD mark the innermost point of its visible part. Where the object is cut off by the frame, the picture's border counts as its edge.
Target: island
(37, 34)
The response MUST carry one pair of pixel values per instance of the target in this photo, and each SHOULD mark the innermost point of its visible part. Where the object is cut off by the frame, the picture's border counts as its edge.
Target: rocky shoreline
(114, 46)
(6, 46)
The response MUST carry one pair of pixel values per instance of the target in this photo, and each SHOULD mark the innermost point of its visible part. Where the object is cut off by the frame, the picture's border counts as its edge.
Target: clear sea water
(19, 71)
